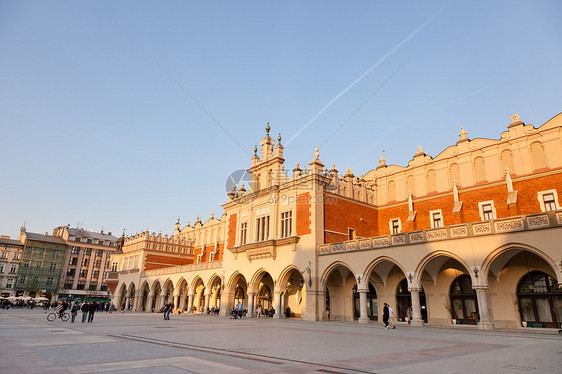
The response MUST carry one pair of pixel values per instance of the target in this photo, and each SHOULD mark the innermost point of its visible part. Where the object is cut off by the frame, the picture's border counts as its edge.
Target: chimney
(102, 232)
(46, 233)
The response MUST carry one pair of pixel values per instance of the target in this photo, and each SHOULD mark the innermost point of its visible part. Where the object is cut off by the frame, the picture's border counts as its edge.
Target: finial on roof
(463, 134)
(267, 128)
(212, 214)
(178, 219)
(279, 138)
(123, 232)
(316, 153)
(255, 150)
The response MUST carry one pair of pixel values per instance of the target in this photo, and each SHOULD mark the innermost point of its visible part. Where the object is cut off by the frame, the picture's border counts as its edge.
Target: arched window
(479, 170)
(463, 301)
(540, 300)
(391, 191)
(410, 185)
(538, 156)
(431, 181)
(507, 161)
(454, 174)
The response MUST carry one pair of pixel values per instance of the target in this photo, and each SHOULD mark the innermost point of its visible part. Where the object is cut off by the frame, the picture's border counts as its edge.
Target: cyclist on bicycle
(64, 306)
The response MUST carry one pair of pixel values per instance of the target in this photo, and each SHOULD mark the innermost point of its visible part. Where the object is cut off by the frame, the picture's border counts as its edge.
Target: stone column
(136, 301)
(364, 318)
(191, 296)
(417, 319)
(483, 310)
(149, 303)
(207, 300)
(251, 304)
(278, 312)
(118, 299)
(176, 302)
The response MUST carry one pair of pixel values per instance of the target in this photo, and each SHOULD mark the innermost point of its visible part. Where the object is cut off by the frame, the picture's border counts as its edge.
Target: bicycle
(53, 316)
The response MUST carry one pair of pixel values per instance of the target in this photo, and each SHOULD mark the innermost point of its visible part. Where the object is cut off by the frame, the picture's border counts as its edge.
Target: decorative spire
(255, 150)
(463, 134)
(212, 214)
(279, 138)
(267, 128)
(316, 153)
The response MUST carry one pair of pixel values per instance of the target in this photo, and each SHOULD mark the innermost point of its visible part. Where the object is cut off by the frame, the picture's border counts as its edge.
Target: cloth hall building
(470, 236)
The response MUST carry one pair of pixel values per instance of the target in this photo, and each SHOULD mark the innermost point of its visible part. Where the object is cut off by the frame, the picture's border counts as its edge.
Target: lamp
(307, 270)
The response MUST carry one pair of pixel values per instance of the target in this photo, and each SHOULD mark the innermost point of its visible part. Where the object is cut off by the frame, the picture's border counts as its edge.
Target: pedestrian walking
(91, 310)
(391, 317)
(74, 311)
(167, 310)
(385, 315)
(85, 308)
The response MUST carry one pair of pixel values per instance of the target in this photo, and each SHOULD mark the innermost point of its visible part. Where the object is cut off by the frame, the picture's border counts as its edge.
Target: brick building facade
(470, 235)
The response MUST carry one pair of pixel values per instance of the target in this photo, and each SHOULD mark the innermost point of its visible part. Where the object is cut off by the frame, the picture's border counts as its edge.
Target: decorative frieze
(365, 244)
(338, 247)
(381, 242)
(458, 231)
(535, 222)
(509, 225)
(416, 237)
(351, 246)
(436, 234)
(559, 218)
(481, 228)
(398, 239)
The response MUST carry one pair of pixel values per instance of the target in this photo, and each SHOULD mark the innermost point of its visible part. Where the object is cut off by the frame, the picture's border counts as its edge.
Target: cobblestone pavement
(145, 343)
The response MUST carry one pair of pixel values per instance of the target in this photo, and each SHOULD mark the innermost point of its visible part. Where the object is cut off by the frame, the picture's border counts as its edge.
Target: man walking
(91, 311)
(385, 315)
(85, 308)
(391, 317)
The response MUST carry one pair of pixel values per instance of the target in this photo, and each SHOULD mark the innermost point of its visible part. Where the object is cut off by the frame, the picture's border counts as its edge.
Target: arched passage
(511, 273)
(198, 296)
(143, 295)
(122, 301)
(293, 302)
(436, 275)
(131, 293)
(182, 295)
(262, 289)
(215, 287)
(154, 296)
(340, 286)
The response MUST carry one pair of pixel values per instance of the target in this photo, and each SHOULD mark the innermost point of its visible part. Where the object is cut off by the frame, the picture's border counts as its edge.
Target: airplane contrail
(380, 61)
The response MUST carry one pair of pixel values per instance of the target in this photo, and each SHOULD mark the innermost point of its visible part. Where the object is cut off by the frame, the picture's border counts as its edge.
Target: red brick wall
(341, 214)
(344, 214)
(303, 214)
(153, 261)
(232, 231)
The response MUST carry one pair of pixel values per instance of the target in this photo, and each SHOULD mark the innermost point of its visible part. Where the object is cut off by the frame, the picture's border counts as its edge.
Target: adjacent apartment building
(10, 256)
(86, 262)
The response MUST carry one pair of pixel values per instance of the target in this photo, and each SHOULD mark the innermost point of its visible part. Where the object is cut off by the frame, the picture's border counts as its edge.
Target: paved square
(145, 343)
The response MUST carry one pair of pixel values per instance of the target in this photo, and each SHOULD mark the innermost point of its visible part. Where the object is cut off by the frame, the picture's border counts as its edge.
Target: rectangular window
(198, 259)
(95, 274)
(76, 239)
(23, 279)
(75, 250)
(548, 200)
(16, 256)
(114, 266)
(243, 232)
(487, 212)
(81, 285)
(2, 267)
(436, 218)
(13, 268)
(25, 263)
(104, 287)
(286, 224)
(35, 279)
(53, 266)
(68, 284)
(49, 281)
(86, 262)
(97, 263)
(70, 272)
(74, 261)
(351, 235)
(4, 255)
(262, 228)
(87, 251)
(93, 286)
(212, 256)
(84, 273)
(89, 241)
(9, 283)
(395, 226)
(99, 252)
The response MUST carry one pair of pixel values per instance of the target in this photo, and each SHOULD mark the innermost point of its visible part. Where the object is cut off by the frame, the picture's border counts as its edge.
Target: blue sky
(93, 130)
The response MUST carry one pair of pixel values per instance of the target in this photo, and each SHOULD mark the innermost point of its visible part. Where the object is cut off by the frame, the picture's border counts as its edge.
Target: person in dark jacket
(91, 311)
(385, 315)
(85, 308)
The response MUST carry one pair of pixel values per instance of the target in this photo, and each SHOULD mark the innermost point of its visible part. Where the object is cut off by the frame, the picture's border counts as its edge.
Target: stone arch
(196, 280)
(256, 277)
(120, 302)
(339, 285)
(436, 272)
(454, 174)
(215, 286)
(506, 160)
(294, 298)
(263, 288)
(183, 293)
(380, 260)
(144, 292)
(487, 264)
